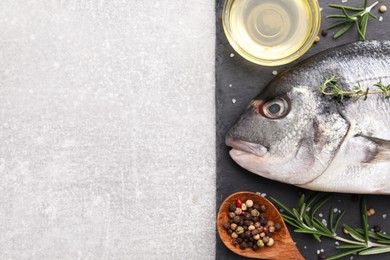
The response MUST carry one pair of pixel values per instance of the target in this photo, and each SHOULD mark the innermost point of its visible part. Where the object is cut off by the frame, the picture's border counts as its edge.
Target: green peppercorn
(240, 230)
(260, 243)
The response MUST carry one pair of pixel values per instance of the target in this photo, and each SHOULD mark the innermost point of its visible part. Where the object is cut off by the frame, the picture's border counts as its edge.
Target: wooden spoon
(283, 248)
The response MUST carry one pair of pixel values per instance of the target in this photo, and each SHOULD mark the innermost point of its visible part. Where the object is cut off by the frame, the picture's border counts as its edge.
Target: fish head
(286, 133)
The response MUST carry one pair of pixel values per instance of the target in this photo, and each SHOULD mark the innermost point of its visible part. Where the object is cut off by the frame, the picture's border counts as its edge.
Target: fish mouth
(240, 146)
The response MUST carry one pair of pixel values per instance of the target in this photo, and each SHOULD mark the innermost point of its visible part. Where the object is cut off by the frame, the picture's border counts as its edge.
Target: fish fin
(376, 150)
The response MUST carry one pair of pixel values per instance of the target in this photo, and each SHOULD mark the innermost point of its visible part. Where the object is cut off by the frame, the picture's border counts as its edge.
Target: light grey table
(107, 129)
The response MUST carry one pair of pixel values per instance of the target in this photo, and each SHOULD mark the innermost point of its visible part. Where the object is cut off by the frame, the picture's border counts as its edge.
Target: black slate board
(242, 80)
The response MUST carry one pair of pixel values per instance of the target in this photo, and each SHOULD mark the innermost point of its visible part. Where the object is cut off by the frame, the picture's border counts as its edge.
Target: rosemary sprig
(361, 240)
(352, 16)
(332, 87)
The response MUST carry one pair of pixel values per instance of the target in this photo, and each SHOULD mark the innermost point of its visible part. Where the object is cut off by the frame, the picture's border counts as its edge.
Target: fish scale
(318, 142)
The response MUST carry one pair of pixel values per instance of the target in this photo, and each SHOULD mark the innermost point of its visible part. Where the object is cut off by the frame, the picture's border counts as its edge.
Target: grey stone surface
(107, 133)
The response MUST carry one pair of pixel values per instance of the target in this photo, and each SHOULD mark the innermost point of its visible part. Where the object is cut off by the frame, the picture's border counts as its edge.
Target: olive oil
(270, 29)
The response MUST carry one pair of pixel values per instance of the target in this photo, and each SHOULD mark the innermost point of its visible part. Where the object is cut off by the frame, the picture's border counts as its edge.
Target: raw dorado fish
(294, 134)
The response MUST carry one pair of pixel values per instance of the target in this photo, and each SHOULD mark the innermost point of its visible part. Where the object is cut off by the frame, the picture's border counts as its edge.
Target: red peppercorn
(265, 230)
(238, 203)
(243, 212)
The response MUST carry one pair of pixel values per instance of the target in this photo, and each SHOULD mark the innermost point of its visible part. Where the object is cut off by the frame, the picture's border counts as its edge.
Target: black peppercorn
(234, 242)
(255, 247)
(226, 225)
(321, 256)
(263, 221)
(263, 208)
(243, 245)
(377, 228)
(239, 239)
(236, 219)
(232, 207)
(250, 244)
(324, 32)
(355, 198)
(248, 234)
(277, 227)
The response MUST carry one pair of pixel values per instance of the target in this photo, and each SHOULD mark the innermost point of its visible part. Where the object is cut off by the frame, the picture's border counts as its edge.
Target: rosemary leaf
(338, 219)
(318, 205)
(343, 30)
(349, 246)
(364, 217)
(346, 253)
(349, 8)
(337, 25)
(375, 250)
(282, 206)
(330, 220)
(354, 234)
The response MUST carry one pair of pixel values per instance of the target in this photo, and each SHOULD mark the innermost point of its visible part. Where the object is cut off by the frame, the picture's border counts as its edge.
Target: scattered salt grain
(321, 9)
(337, 243)
(324, 222)
(344, 1)
(335, 210)
(263, 194)
(305, 247)
(230, 85)
(380, 18)
(275, 72)
(234, 101)
(231, 55)
(308, 209)
(384, 216)
(322, 250)
(318, 252)
(281, 210)
(321, 215)
(351, 257)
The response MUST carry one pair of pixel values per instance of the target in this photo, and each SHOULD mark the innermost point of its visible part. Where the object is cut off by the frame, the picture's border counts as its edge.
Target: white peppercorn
(249, 203)
(270, 242)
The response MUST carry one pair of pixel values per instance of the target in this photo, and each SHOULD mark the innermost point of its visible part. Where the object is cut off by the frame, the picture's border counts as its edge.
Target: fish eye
(275, 108)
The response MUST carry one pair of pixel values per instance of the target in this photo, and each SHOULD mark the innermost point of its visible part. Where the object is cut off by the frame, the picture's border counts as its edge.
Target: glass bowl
(271, 32)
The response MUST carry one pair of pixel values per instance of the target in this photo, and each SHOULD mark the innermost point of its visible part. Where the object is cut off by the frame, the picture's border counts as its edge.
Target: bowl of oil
(271, 32)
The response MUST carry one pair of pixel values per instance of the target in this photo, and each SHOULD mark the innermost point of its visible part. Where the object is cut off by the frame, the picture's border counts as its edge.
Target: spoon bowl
(283, 248)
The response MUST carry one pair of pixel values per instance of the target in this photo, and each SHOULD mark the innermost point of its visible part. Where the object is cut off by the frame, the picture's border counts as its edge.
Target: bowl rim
(316, 24)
